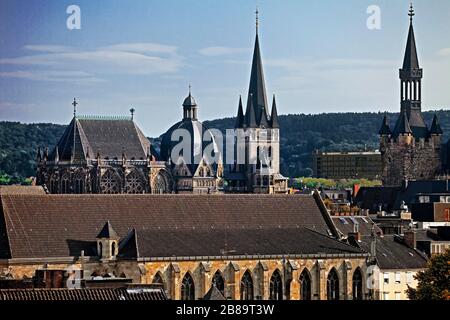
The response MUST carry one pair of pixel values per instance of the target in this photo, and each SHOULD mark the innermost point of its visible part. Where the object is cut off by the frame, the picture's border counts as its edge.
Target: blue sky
(318, 56)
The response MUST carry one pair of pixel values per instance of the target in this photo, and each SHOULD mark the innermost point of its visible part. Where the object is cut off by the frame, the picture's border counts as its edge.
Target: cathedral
(111, 155)
(411, 151)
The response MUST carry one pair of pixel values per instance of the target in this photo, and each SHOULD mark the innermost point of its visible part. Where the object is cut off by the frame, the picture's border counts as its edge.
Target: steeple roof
(402, 125)
(257, 89)
(385, 130)
(240, 115)
(435, 126)
(274, 115)
(411, 60)
(107, 232)
(250, 117)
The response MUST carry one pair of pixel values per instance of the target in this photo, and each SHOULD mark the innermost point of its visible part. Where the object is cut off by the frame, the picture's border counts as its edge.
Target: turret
(107, 243)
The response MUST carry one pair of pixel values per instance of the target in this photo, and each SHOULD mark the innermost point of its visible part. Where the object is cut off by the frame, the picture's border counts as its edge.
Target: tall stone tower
(257, 152)
(411, 151)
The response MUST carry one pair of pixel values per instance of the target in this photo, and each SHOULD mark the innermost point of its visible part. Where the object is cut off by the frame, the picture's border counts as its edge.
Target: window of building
(218, 282)
(398, 296)
(276, 286)
(247, 286)
(385, 295)
(333, 285)
(305, 285)
(357, 285)
(386, 277)
(398, 277)
(409, 277)
(187, 288)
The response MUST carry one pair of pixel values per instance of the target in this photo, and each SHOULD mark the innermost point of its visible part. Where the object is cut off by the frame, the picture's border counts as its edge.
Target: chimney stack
(410, 238)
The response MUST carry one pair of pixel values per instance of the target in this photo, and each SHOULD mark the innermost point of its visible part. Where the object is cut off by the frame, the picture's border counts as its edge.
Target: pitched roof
(34, 226)
(107, 232)
(411, 61)
(385, 130)
(257, 87)
(91, 294)
(214, 294)
(435, 126)
(108, 136)
(402, 125)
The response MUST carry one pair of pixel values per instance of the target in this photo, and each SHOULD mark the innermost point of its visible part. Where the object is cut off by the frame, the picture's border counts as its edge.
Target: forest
(301, 134)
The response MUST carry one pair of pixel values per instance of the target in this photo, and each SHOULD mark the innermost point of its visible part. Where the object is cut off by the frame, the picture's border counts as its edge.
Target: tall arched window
(187, 288)
(134, 183)
(79, 183)
(113, 249)
(218, 282)
(247, 286)
(110, 182)
(160, 184)
(333, 285)
(357, 285)
(276, 286)
(100, 249)
(65, 184)
(305, 285)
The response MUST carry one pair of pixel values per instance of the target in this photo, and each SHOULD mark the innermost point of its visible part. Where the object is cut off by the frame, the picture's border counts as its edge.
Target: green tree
(434, 282)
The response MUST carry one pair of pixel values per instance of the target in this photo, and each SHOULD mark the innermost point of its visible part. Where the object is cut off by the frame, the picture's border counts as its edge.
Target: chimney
(355, 234)
(410, 238)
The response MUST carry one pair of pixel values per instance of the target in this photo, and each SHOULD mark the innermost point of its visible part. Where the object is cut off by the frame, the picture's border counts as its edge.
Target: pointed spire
(435, 126)
(240, 115)
(250, 118)
(262, 121)
(257, 88)
(107, 232)
(411, 60)
(274, 115)
(385, 130)
(402, 125)
(257, 19)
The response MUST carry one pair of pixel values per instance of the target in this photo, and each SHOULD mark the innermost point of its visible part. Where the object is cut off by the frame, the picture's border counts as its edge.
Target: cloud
(65, 62)
(444, 52)
(221, 51)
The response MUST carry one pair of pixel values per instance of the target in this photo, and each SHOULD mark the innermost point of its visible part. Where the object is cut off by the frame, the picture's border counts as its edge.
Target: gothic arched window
(157, 279)
(134, 183)
(65, 183)
(357, 285)
(79, 183)
(160, 184)
(276, 286)
(113, 249)
(333, 285)
(110, 182)
(305, 285)
(218, 282)
(247, 286)
(187, 288)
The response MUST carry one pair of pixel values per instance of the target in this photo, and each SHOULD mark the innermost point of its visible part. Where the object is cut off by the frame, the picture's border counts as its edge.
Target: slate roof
(110, 137)
(402, 125)
(33, 226)
(391, 253)
(384, 130)
(214, 294)
(435, 126)
(411, 61)
(101, 294)
(345, 224)
(107, 232)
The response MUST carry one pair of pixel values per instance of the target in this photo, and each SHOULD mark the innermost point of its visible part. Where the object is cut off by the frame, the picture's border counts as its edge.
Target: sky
(319, 56)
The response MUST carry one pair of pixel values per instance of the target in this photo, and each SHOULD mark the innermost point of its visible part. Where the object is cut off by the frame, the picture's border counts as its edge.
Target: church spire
(411, 60)
(250, 117)
(274, 115)
(257, 88)
(240, 115)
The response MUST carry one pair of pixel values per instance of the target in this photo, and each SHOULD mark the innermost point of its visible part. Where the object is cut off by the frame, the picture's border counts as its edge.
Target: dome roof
(200, 137)
(189, 101)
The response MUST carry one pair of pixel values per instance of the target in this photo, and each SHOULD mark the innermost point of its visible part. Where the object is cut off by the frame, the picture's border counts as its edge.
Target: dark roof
(34, 226)
(391, 253)
(410, 60)
(417, 124)
(250, 114)
(110, 137)
(240, 115)
(214, 294)
(346, 225)
(384, 130)
(257, 88)
(274, 123)
(107, 232)
(189, 101)
(402, 125)
(101, 294)
(435, 126)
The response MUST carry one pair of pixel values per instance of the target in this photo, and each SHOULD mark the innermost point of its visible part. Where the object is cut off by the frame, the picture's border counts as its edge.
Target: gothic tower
(258, 171)
(411, 151)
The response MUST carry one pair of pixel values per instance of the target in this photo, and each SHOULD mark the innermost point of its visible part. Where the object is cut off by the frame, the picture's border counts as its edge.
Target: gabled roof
(109, 136)
(214, 294)
(44, 226)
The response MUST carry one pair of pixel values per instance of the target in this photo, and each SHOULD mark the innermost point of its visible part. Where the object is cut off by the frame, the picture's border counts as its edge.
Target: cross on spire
(74, 103)
(132, 110)
(190, 87)
(411, 13)
(257, 19)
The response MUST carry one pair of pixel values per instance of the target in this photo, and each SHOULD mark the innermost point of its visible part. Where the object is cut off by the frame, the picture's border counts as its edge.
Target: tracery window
(110, 182)
(305, 285)
(247, 286)
(276, 286)
(134, 183)
(333, 285)
(160, 184)
(79, 183)
(218, 282)
(187, 288)
(357, 285)
(65, 183)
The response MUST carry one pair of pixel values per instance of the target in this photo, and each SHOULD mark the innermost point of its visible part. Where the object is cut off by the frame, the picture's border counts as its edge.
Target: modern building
(411, 150)
(347, 165)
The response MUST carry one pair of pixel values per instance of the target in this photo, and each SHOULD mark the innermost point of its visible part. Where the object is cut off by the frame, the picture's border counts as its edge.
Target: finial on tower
(74, 103)
(411, 13)
(257, 19)
(190, 87)
(132, 110)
